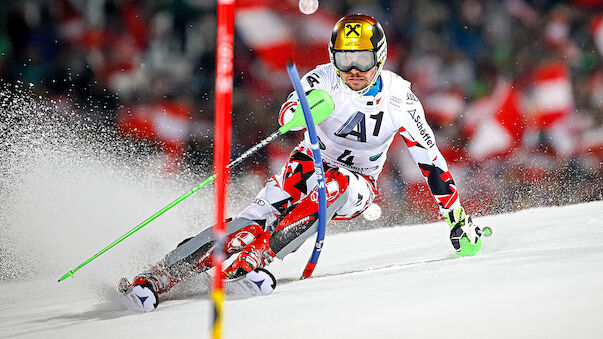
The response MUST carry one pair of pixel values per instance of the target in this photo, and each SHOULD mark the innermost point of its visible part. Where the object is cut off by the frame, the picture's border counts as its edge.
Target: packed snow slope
(540, 275)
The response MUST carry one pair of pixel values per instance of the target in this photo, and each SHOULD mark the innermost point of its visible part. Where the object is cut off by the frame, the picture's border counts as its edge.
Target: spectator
(514, 88)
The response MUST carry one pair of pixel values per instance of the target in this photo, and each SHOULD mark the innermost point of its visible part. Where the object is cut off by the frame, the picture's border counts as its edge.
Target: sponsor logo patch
(425, 135)
(353, 30)
(299, 222)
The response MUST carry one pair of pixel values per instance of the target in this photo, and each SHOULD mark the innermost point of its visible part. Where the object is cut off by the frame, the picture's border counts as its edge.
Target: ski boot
(139, 296)
(142, 293)
(257, 254)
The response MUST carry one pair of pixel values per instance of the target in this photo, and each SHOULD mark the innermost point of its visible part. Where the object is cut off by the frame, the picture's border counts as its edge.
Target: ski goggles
(361, 60)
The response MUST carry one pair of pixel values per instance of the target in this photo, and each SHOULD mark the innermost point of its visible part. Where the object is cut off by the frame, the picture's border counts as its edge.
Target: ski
(142, 298)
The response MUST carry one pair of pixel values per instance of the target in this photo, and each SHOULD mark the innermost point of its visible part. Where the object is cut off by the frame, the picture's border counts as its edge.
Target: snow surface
(540, 275)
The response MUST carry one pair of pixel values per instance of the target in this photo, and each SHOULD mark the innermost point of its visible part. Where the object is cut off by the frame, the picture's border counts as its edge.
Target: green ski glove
(464, 235)
(321, 105)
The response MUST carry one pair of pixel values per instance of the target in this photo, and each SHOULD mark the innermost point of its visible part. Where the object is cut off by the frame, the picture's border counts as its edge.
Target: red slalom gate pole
(222, 139)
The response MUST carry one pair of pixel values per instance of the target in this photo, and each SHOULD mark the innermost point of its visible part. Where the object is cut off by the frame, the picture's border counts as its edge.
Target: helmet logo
(355, 29)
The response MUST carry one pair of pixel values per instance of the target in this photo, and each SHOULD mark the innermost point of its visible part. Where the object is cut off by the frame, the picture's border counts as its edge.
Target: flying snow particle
(373, 212)
(308, 6)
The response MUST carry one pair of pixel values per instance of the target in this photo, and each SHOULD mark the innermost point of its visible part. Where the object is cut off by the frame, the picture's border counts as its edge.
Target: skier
(372, 105)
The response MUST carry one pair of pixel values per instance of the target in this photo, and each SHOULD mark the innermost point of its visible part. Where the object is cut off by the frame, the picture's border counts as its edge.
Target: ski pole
(235, 162)
(320, 101)
(318, 168)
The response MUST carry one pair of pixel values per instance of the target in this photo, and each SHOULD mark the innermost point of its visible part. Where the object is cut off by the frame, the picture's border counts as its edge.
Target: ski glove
(321, 106)
(464, 235)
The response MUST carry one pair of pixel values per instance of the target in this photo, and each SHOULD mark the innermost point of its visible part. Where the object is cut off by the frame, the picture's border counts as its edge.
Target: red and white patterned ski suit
(354, 141)
(355, 138)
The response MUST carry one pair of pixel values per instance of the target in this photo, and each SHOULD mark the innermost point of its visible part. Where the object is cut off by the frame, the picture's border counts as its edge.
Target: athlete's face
(357, 80)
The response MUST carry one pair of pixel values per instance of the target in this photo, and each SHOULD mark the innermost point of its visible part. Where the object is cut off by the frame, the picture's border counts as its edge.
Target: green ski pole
(321, 105)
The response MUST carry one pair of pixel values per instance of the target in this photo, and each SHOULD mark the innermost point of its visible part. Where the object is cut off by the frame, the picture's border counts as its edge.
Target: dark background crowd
(513, 89)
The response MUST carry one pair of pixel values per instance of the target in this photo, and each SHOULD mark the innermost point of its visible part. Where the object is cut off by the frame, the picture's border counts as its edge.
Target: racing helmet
(358, 41)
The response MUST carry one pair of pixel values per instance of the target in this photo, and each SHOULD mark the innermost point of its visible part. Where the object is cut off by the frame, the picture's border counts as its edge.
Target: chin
(357, 87)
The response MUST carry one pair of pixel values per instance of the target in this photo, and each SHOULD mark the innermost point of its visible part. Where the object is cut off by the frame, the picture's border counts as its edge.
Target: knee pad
(361, 192)
(336, 182)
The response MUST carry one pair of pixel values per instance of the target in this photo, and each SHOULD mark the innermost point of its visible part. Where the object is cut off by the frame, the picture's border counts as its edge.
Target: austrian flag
(553, 98)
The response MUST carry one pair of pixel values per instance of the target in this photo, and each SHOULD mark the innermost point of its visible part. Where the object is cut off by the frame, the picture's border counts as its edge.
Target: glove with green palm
(465, 236)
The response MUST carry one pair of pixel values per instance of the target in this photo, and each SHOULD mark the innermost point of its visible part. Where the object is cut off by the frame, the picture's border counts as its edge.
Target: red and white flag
(164, 123)
(278, 32)
(445, 107)
(495, 124)
(265, 31)
(552, 97)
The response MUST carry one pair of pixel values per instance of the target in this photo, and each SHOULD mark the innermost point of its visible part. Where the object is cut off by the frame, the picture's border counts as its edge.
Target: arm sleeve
(316, 79)
(420, 140)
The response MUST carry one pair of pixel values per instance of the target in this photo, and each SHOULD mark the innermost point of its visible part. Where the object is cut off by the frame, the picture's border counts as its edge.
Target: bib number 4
(346, 158)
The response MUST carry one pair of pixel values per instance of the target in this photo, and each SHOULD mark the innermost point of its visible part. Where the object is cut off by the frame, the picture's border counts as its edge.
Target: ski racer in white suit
(372, 106)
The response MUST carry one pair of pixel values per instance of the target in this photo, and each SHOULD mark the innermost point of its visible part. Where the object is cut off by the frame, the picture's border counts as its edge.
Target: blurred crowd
(513, 89)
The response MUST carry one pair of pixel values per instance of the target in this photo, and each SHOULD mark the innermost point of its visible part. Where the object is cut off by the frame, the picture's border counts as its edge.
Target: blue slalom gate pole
(318, 169)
